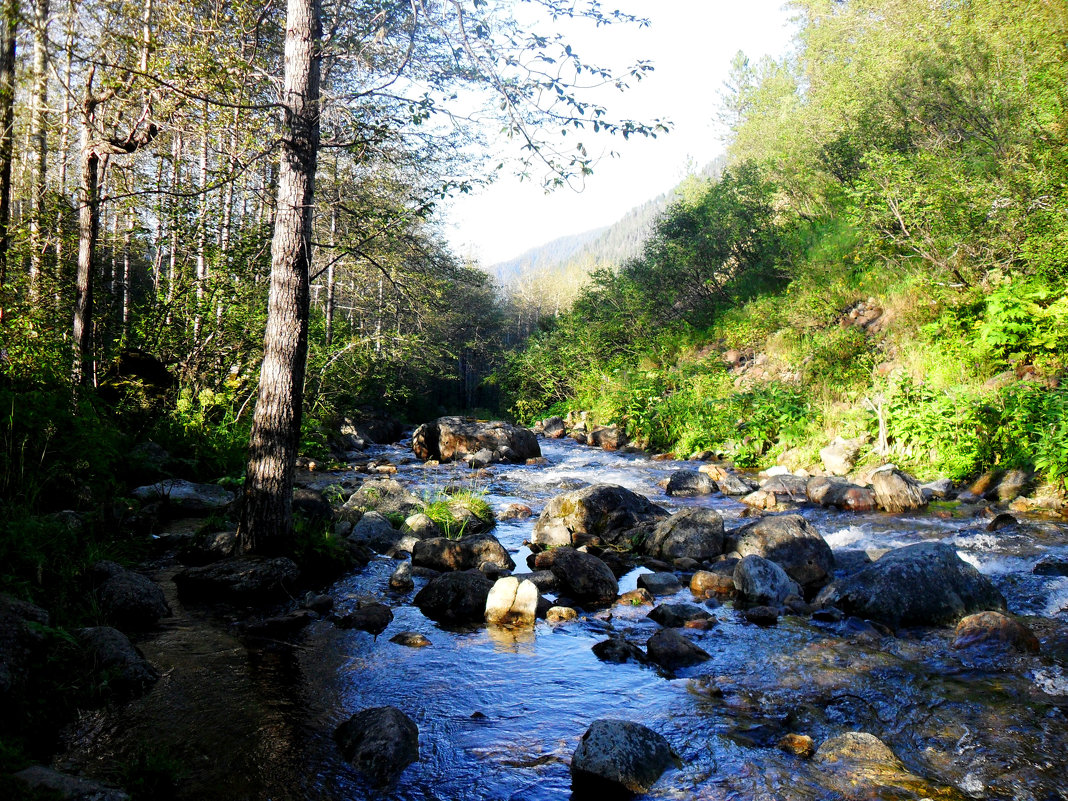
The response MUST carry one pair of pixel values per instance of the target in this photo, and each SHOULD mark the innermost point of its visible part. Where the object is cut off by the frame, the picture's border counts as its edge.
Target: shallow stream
(500, 712)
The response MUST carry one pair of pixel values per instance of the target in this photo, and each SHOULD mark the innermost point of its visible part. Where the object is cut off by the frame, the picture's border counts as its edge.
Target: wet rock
(372, 618)
(128, 599)
(386, 496)
(619, 650)
(792, 543)
(247, 578)
(617, 755)
(480, 459)
(401, 579)
(840, 494)
(439, 553)
(516, 511)
(1051, 566)
(64, 787)
(380, 742)
(840, 456)
(584, 577)
(449, 439)
(687, 483)
(638, 597)
(410, 639)
(185, 496)
(896, 492)
(848, 561)
(421, 527)
(467, 520)
(938, 490)
(560, 614)
(374, 531)
(772, 502)
(728, 481)
(605, 512)
(674, 616)
(762, 615)
(671, 650)
(208, 547)
(856, 746)
(659, 583)
(995, 631)
(544, 580)
(761, 582)
(512, 602)
(718, 582)
(1000, 521)
(798, 744)
(455, 598)
(110, 653)
(320, 604)
(925, 584)
(282, 625)
(791, 487)
(689, 534)
(553, 428)
(857, 765)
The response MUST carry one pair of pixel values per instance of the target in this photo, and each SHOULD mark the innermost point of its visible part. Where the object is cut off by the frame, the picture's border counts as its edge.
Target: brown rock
(798, 744)
(995, 630)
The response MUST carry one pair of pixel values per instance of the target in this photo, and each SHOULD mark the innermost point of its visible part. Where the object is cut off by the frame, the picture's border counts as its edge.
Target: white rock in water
(512, 603)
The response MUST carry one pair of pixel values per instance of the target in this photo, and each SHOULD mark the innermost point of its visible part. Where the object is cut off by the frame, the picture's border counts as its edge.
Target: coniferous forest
(222, 263)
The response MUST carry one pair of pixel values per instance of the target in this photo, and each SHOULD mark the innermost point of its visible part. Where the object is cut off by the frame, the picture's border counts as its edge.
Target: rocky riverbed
(779, 703)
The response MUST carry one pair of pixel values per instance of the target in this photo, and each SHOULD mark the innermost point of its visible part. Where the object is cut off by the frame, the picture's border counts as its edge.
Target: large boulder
(841, 455)
(925, 584)
(376, 532)
(185, 496)
(676, 616)
(450, 439)
(996, 632)
(584, 578)
(792, 543)
(841, 494)
(690, 482)
(604, 512)
(609, 438)
(455, 598)
(374, 618)
(897, 492)
(207, 547)
(617, 756)
(109, 653)
(671, 650)
(244, 579)
(128, 599)
(466, 553)
(695, 533)
(384, 495)
(728, 481)
(761, 582)
(553, 427)
(512, 602)
(380, 742)
(21, 642)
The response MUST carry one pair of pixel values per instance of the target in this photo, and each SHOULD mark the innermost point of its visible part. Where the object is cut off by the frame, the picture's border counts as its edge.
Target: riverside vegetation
(884, 256)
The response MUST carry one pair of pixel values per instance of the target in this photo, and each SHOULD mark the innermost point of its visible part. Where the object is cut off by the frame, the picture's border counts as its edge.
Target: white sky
(691, 43)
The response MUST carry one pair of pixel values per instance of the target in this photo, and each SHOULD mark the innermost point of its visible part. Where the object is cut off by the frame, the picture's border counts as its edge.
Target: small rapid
(500, 711)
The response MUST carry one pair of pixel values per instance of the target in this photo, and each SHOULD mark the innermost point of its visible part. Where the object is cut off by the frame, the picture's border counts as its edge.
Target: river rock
(659, 583)
(410, 639)
(584, 578)
(312, 505)
(380, 742)
(695, 533)
(840, 494)
(938, 490)
(792, 543)
(553, 427)
(512, 602)
(856, 746)
(374, 531)
(48, 783)
(373, 618)
(636, 597)
(729, 482)
(619, 650)
(609, 438)
(761, 582)
(185, 496)
(560, 614)
(897, 492)
(128, 599)
(440, 553)
(675, 616)
(450, 439)
(715, 583)
(1051, 565)
(797, 744)
(605, 512)
(21, 642)
(995, 631)
(207, 547)
(786, 486)
(110, 653)
(618, 755)
(671, 650)
(246, 578)
(762, 615)
(421, 527)
(840, 456)
(401, 578)
(687, 483)
(858, 765)
(544, 580)
(925, 584)
(384, 495)
(455, 598)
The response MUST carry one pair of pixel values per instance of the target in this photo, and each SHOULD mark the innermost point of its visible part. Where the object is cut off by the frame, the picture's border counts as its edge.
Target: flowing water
(500, 712)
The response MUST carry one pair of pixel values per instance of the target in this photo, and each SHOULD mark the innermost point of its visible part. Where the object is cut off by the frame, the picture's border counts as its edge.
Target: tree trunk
(202, 234)
(9, 11)
(88, 229)
(266, 524)
(40, 142)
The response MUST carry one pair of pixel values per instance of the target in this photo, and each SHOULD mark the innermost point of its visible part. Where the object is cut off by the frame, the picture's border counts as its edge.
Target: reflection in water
(500, 710)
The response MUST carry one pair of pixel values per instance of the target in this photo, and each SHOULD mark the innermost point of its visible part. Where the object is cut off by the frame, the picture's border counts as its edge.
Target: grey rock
(604, 512)
(128, 599)
(449, 439)
(207, 547)
(455, 598)
(619, 650)
(466, 553)
(401, 578)
(671, 650)
(840, 456)
(384, 495)
(675, 616)
(691, 533)
(761, 582)
(374, 531)
(380, 742)
(246, 578)
(660, 583)
(110, 653)
(373, 618)
(21, 642)
(584, 578)
(618, 755)
(688, 483)
(792, 543)
(897, 492)
(189, 498)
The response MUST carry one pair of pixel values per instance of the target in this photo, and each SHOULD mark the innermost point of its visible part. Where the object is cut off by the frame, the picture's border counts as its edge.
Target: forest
(221, 241)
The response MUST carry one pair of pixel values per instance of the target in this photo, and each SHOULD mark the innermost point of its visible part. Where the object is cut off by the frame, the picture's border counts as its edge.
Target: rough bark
(266, 524)
(9, 14)
(40, 141)
(88, 230)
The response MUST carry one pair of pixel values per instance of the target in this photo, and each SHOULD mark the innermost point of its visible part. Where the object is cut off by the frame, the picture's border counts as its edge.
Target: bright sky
(691, 43)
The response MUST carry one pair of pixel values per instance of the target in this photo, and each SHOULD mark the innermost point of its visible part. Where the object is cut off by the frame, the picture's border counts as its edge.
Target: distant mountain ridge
(607, 246)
